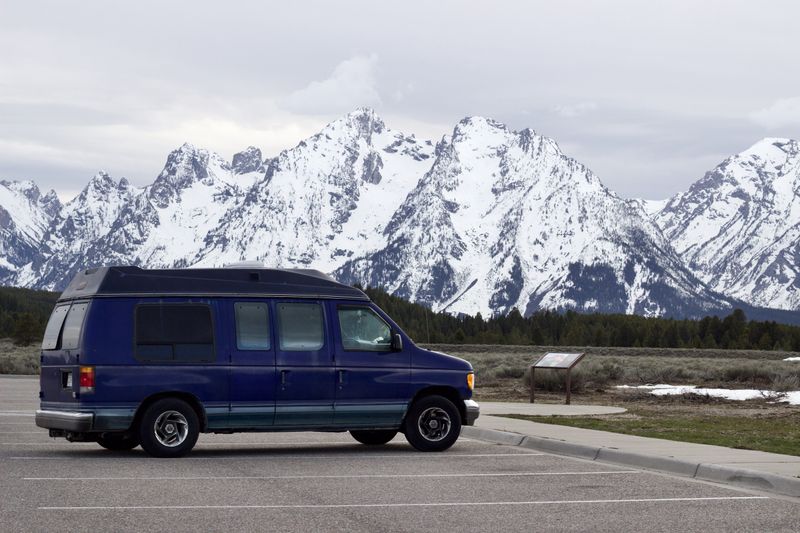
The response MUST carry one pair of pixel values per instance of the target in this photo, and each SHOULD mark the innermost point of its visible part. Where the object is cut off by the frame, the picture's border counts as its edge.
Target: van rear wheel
(433, 424)
(118, 442)
(169, 428)
(373, 437)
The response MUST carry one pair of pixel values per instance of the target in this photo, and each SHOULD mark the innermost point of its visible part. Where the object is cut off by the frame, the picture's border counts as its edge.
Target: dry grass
(507, 367)
(18, 359)
(501, 367)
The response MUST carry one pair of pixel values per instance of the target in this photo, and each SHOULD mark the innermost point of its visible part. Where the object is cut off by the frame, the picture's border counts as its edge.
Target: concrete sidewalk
(751, 469)
(546, 409)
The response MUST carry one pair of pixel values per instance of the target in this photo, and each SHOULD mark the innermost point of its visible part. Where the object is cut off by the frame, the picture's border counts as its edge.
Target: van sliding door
(252, 371)
(305, 376)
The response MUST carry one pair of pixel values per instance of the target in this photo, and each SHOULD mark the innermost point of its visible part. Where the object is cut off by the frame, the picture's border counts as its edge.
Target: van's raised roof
(201, 282)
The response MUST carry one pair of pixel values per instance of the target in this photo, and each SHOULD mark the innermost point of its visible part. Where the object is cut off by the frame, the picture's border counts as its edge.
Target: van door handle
(341, 377)
(283, 377)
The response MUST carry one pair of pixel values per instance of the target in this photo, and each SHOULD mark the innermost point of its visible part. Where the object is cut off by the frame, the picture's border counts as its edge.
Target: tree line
(550, 328)
(24, 314)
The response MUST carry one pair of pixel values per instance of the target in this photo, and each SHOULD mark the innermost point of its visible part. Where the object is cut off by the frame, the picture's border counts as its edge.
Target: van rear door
(61, 353)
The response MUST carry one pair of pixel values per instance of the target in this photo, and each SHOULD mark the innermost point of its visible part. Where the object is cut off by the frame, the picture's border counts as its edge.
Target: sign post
(559, 361)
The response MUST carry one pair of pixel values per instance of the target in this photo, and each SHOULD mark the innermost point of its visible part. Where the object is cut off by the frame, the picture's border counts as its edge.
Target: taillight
(87, 379)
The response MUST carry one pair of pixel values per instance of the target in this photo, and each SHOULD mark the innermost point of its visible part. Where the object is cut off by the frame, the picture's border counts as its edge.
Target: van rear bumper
(68, 420)
(473, 411)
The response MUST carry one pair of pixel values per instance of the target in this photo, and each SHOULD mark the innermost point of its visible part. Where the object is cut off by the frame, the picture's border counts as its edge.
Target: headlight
(471, 380)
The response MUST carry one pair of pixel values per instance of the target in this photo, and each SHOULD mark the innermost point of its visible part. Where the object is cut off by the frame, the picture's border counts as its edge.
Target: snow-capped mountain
(324, 201)
(504, 219)
(738, 228)
(25, 216)
(487, 220)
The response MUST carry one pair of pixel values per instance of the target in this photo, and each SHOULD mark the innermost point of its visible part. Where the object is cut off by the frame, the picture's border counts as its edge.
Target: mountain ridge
(486, 220)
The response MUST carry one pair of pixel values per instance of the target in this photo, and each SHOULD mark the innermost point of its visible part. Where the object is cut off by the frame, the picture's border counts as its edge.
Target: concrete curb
(740, 477)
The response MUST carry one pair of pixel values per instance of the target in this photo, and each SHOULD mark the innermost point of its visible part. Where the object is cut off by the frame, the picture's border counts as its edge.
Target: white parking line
(199, 445)
(344, 476)
(279, 456)
(61, 442)
(42, 443)
(373, 505)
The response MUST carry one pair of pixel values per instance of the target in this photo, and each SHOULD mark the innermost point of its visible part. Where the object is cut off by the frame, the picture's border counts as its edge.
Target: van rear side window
(53, 329)
(73, 325)
(174, 333)
(252, 326)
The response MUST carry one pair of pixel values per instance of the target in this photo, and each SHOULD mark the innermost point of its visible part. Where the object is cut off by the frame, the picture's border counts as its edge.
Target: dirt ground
(633, 400)
(501, 375)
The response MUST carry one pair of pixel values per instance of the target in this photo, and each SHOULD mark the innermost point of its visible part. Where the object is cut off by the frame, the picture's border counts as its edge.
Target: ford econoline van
(155, 357)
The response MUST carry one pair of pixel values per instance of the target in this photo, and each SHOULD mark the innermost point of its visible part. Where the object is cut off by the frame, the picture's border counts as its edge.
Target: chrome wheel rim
(434, 424)
(171, 429)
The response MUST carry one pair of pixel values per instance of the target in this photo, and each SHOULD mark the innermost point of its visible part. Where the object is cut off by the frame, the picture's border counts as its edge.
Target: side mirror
(397, 342)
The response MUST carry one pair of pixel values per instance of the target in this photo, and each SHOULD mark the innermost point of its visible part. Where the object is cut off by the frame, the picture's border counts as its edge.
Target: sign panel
(558, 360)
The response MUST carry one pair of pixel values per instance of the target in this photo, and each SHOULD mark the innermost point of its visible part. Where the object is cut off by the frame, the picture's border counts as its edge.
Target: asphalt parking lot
(318, 481)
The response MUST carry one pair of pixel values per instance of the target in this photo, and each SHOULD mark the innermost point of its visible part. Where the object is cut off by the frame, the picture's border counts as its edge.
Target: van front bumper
(473, 412)
(67, 420)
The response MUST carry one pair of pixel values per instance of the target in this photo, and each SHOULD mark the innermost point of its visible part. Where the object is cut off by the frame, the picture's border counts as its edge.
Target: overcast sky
(649, 95)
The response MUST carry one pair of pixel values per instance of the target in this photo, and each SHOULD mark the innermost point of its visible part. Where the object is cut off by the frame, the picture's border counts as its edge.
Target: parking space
(327, 481)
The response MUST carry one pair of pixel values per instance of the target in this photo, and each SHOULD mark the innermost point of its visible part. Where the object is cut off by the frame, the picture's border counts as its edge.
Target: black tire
(169, 428)
(118, 442)
(433, 424)
(373, 437)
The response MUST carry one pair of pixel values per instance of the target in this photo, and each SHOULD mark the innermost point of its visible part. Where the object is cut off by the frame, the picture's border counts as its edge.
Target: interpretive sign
(558, 361)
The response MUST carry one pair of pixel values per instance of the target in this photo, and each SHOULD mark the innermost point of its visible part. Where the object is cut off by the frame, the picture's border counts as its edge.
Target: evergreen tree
(27, 330)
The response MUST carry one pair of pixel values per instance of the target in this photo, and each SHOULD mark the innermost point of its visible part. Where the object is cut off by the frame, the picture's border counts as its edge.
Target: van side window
(71, 334)
(363, 330)
(300, 327)
(252, 326)
(174, 332)
(53, 329)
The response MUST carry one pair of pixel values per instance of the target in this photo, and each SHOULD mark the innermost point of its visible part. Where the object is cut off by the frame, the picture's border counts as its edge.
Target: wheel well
(448, 392)
(185, 396)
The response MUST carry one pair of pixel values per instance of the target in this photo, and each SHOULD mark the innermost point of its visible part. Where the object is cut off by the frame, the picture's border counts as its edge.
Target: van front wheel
(169, 428)
(374, 437)
(433, 424)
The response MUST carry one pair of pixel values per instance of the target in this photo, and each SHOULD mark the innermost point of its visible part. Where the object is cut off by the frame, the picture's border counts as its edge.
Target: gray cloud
(351, 84)
(782, 113)
(647, 94)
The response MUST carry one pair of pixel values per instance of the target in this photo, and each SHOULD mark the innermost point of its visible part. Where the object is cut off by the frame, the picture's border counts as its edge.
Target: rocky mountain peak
(26, 188)
(479, 130)
(769, 146)
(738, 226)
(362, 123)
(101, 181)
(248, 160)
(51, 204)
(186, 166)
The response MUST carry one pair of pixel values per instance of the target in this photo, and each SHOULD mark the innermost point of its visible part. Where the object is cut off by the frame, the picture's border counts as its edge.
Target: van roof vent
(245, 264)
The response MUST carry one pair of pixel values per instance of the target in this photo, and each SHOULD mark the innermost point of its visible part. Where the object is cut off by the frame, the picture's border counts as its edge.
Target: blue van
(154, 357)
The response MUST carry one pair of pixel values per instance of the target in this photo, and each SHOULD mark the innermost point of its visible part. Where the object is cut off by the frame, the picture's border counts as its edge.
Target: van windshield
(53, 328)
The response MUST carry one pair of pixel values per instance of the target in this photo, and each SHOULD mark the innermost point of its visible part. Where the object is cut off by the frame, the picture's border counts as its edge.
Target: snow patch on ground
(793, 398)
(792, 359)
